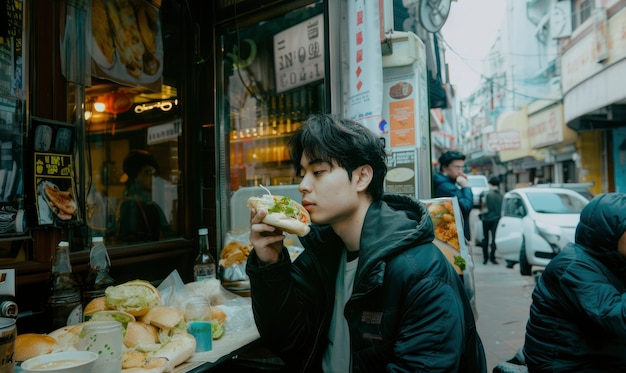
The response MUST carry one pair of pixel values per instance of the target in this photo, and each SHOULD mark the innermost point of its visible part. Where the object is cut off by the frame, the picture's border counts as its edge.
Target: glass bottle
(65, 307)
(98, 278)
(204, 265)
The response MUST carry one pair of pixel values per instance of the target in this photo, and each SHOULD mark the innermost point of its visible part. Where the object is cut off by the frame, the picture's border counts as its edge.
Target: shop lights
(165, 105)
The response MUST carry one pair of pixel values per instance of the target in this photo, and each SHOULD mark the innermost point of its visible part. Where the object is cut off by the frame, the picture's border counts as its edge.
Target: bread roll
(140, 362)
(139, 333)
(67, 336)
(136, 297)
(177, 350)
(164, 317)
(96, 304)
(31, 344)
(218, 314)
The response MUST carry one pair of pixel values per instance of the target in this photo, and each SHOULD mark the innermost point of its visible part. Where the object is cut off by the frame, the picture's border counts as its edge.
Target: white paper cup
(105, 339)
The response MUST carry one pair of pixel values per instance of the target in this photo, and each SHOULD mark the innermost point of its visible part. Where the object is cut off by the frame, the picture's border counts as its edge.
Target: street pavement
(503, 299)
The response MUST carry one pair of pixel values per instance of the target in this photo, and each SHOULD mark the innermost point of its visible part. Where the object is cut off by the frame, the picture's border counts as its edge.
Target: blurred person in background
(577, 318)
(492, 206)
(370, 292)
(139, 217)
(451, 181)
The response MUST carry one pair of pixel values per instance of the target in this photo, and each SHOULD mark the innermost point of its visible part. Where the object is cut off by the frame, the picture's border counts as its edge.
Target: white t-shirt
(337, 356)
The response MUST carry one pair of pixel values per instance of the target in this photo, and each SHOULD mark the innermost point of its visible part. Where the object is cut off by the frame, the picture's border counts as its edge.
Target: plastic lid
(97, 239)
(203, 231)
(63, 244)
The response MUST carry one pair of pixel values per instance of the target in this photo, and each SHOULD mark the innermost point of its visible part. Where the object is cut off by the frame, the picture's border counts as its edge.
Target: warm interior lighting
(99, 107)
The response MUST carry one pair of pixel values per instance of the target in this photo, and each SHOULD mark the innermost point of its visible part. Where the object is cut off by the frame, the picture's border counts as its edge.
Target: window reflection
(133, 171)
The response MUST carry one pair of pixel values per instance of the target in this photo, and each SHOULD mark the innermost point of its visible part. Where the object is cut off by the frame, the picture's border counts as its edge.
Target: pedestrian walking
(490, 216)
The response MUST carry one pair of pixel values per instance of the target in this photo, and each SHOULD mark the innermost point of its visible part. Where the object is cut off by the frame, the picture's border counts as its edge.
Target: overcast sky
(470, 31)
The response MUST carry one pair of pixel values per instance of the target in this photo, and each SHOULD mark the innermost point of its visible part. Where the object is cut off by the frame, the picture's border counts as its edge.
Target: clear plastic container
(198, 309)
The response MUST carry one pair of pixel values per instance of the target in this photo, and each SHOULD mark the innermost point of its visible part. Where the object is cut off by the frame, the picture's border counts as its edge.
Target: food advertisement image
(448, 225)
(54, 172)
(126, 41)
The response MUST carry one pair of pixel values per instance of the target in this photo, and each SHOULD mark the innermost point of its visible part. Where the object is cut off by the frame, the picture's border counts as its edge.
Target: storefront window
(133, 125)
(134, 177)
(272, 77)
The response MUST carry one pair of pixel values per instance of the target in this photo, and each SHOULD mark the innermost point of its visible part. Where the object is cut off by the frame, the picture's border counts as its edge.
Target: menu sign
(54, 172)
(299, 54)
(400, 177)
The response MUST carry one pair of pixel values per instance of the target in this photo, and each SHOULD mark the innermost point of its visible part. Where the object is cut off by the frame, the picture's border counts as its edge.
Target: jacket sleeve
(466, 199)
(286, 311)
(432, 332)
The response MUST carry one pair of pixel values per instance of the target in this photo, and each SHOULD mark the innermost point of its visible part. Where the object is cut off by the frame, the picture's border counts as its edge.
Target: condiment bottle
(98, 278)
(204, 265)
(64, 303)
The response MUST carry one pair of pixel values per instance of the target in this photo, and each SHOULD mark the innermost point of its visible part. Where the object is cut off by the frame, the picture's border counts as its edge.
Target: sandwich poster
(54, 172)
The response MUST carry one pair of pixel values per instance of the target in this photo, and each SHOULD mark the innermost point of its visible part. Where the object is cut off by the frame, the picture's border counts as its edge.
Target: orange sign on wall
(402, 123)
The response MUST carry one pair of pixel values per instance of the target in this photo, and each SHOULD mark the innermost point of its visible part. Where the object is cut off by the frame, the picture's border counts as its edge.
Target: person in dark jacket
(451, 181)
(492, 205)
(370, 292)
(139, 217)
(577, 318)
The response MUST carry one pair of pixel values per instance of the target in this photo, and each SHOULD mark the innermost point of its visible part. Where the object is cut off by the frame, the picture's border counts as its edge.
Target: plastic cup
(105, 339)
(203, 333)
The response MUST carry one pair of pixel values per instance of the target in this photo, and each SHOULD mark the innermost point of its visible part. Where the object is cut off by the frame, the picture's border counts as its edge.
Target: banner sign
(365, 64)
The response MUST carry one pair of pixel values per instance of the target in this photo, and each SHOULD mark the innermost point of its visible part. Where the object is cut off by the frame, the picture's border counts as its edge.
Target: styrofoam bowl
(68, 362)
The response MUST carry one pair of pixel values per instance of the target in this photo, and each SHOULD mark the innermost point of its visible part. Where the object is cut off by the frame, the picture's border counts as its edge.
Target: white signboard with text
(299, 54)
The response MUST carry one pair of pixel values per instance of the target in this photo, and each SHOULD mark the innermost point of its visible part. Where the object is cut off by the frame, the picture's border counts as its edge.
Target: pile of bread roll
(155, 336)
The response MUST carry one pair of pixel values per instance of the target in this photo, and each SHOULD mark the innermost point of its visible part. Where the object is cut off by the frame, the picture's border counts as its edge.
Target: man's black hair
(326, 138)
(448, 157)
(494, 180)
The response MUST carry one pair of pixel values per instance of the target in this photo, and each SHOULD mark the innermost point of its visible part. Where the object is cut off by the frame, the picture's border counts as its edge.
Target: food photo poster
(54, 181)
(445, 213)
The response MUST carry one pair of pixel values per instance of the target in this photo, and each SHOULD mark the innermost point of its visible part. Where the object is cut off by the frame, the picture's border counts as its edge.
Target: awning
(591, 105)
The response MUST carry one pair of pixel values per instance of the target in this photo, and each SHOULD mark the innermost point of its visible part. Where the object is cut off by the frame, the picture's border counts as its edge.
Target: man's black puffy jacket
(408, 311)
(578, 316)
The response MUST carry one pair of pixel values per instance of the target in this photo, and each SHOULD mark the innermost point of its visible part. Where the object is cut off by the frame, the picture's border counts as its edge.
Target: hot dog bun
(31, 344)
(136, 297)
(298, 226)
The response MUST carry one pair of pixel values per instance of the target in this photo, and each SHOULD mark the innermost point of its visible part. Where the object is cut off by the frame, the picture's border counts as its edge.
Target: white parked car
(479, 184)
(536, 224)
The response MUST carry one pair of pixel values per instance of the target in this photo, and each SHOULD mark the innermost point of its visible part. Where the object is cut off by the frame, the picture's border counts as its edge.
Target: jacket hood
(602, 224)
(393, 224)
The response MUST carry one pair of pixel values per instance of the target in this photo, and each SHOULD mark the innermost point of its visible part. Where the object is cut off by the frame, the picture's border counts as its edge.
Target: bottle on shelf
(98, 278)
(65, 302)
(204, 265)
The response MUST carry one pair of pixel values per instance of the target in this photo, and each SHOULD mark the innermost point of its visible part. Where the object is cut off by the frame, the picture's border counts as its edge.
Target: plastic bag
(173, 291)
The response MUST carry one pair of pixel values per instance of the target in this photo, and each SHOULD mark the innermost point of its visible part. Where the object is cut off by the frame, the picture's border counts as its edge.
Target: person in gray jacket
(370, 292)
(577, 318)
